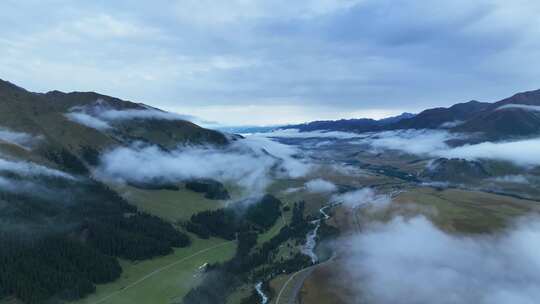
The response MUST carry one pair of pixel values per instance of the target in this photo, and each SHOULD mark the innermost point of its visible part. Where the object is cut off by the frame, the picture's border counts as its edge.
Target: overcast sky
(276, 61)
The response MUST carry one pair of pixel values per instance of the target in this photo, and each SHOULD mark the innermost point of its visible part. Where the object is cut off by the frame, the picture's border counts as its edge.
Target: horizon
(201, 120)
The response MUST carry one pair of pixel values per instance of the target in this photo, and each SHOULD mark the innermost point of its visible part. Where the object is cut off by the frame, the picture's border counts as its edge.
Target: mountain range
(514, 117)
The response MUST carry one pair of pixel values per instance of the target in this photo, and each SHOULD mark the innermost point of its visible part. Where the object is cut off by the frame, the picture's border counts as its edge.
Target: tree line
(222, 279)
(227, 222)
(57, 244)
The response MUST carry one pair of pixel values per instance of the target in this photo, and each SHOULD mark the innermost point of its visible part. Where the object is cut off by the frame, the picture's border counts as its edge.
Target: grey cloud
(355, 55)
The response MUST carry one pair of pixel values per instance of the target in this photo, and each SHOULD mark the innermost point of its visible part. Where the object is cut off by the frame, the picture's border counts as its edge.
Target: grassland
(162, 280)
(454, 210)
(320, 288)
(241, 293)
(165, 279)
(467, 211)
(10, 301)
(170, 205)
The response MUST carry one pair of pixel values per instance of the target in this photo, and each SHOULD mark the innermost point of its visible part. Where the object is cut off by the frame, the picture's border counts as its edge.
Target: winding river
(308, 248)
(311, 237)
(264, 297)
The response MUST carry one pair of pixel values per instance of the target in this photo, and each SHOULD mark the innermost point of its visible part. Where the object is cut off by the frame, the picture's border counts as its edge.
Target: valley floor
(162, 280)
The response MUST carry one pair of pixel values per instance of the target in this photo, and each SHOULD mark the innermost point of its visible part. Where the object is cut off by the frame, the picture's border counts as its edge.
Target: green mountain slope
(44, 116)
(62, 231)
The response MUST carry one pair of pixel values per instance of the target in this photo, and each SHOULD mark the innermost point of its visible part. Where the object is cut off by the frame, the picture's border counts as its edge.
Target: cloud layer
(252, 163)
(30, 169)
(523, 152)
(433, 143)
(101, 116)
(294, 133)
(520, 106)
(20, 139)
(328, 59)
(413, 260)
(365, 197)
(410, 141)
(88, 120)
(320, 186)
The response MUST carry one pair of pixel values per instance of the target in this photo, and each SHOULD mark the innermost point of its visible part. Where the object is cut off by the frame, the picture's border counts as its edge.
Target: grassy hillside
(43, 116)
(170, 205)
(468, 211)
(62, 234)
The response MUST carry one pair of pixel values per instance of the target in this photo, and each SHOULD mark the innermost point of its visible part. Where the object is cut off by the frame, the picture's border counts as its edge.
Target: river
(311, 237)
(264, 297)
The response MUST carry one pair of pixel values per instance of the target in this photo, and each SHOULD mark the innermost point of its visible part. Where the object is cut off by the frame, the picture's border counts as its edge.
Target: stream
(258, 288)
(308, 248)
(311, 238)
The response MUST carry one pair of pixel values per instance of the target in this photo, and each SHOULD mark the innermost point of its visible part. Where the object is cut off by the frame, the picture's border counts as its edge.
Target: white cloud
(114, 115)
(102, 116)
(290, 157)
(347, 170)
(292, 190)
(365, 197)
(522, 152)
(514, 179)
(451, 124)
(413, 260)
(30, 169)
(519, 106)
(433, 143)
(295, 133)
(251, 163)
(320, 185)
(22, 186)
(410, 141)
(88, 120)
(20, 139)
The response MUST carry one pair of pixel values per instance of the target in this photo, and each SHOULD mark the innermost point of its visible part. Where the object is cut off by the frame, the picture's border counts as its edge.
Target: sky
(243, 62)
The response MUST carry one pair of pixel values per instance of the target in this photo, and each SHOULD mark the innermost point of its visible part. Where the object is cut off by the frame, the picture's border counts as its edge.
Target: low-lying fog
(252, 163)
(412, 261)
(432, 143)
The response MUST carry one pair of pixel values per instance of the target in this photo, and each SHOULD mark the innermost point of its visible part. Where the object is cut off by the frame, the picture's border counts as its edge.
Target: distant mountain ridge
(352, 125)
(489, 120)
(497, 123)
